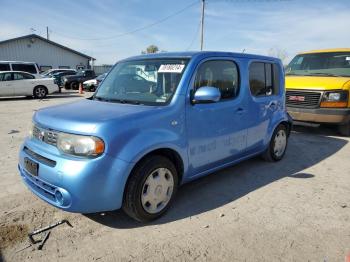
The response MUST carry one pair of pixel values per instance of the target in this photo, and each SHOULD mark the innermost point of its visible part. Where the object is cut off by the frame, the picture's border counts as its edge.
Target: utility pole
(202, 24)
(47, 33)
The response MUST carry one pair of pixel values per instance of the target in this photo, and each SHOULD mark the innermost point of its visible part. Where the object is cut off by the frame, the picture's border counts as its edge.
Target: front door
(216, 131)
(6, 84)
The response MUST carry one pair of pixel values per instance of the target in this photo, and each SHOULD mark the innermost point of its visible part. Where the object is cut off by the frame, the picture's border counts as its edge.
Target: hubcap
(280, 143)
(157, 190)
(40, 92)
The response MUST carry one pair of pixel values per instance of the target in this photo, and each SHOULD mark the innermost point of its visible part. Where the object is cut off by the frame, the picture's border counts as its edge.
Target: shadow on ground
(230, 184)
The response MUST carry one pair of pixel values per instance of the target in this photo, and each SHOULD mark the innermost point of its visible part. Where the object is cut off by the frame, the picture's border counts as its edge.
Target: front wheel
(344, 130)
(150, 189)
(74, 85)
(278, 144)
(40, 92)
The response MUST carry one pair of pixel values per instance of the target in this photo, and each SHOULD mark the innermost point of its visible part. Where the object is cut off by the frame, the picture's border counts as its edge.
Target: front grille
(47, 136)
(307, 99)
(39, 158)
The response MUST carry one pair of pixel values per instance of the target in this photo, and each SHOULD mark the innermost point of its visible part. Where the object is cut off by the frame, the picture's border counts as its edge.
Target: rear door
(6, 84)
(263, 102)
(23, 83)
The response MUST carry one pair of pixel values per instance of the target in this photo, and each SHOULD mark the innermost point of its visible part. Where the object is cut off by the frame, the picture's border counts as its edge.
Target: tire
(92, 88)
(40, 92)
(74, 85)
(153, 180)
(278, 145)
(344, 130)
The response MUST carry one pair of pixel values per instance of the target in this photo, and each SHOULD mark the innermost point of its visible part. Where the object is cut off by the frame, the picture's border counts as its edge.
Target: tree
(151, 49)
(279, 53)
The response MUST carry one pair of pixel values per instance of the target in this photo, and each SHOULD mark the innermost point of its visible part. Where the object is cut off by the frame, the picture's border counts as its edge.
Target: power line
(194, 37)
(137, 29)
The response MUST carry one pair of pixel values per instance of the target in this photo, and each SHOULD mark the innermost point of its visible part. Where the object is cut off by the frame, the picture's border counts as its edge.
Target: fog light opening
(59, 197)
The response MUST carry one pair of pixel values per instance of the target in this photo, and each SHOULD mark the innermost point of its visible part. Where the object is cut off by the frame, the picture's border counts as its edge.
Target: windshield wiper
(117, 100)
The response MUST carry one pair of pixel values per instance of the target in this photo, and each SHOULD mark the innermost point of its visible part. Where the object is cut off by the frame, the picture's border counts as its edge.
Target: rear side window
(5, 67)
(220, 74)
(263, 79)
(30, 68)
(5, 77)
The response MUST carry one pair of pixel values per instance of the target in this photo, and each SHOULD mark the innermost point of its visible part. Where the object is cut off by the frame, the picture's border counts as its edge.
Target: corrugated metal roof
(48, 41)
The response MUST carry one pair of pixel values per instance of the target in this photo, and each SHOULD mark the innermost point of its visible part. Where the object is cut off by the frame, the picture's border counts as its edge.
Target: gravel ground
(294, 210)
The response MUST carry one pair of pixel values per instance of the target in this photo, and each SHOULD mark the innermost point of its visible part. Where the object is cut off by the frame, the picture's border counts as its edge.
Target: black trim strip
(39, 158)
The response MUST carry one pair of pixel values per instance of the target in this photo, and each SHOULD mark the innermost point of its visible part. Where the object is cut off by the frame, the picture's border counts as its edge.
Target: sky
(97, 27)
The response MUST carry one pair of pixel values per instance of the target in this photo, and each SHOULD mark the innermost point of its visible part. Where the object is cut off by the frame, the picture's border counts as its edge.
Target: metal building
(46, 53)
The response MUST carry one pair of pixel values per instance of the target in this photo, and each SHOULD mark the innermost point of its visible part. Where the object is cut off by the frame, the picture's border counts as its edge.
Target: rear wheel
(344, 130)
(278, 144)
(40, 92)
(150, 189)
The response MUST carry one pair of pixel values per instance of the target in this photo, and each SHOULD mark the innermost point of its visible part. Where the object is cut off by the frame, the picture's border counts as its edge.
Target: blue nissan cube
(156, 121)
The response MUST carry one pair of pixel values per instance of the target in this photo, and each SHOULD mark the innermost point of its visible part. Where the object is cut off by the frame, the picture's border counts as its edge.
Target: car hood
(88, 116)
(316, 82)
(68, 77)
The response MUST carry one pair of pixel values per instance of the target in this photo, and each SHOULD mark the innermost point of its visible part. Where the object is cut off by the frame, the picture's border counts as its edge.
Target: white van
(29, 67)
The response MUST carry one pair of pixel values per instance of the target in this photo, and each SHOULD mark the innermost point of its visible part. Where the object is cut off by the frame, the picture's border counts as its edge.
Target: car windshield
(47, 72)
(320, 64)
(147, 82)
(100, 77)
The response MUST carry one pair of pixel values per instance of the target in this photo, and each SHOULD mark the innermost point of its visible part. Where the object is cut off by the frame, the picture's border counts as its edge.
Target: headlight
(77, 145)
(335, 99)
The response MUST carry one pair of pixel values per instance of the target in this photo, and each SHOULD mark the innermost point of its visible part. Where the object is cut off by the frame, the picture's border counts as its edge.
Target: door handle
(273, 105)
(240, 111)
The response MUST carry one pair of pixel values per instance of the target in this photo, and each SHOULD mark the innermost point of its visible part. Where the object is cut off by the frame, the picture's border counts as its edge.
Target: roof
(47, 41)
(190, 54)
(331, 50)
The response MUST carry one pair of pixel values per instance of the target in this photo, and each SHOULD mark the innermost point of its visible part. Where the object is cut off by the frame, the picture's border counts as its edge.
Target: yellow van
(317, 87)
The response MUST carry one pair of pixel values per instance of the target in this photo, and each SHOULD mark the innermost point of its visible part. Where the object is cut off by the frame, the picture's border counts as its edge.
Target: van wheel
(151, 188)
(40, 92)
(74, 85)
(344, 130)
(278, 145)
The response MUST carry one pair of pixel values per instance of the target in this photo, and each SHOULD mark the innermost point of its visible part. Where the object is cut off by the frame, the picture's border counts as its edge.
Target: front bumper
(320, 115)
(74, 184)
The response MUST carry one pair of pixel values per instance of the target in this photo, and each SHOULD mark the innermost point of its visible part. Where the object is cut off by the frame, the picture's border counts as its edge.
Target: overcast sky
(230, 25)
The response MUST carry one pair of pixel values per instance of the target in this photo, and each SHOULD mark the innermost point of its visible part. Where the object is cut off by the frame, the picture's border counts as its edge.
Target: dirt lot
(294, 210)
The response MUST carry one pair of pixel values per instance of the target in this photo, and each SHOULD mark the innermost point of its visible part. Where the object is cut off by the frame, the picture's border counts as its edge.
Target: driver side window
(221, 74)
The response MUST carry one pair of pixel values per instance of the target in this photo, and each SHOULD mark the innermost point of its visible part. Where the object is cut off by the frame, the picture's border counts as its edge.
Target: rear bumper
(320, 115)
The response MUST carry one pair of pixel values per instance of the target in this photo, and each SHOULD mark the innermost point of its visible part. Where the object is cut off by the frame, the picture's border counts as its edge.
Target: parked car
(58, 77)
(16, 83)
(318, 86)
(73, 81)
(92, 84)
(49, 73)
(201, 112)
(29, 67)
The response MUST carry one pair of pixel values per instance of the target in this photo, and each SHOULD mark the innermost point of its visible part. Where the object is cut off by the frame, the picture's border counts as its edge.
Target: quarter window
(220, 74)
(263, 79)
(5, 67)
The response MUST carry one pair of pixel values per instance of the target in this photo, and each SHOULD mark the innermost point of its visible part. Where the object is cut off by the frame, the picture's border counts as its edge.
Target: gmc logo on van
(297, 98)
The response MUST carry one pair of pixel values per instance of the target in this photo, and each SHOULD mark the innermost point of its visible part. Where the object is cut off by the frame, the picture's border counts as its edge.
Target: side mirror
(206, 94)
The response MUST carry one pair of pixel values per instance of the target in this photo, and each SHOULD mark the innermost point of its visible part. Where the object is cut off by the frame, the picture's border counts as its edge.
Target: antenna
(202, 24)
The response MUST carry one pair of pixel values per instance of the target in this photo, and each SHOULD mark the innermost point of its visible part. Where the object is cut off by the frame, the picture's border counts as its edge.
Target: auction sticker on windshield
(171, 68)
